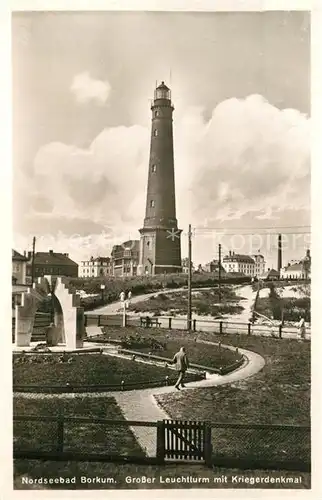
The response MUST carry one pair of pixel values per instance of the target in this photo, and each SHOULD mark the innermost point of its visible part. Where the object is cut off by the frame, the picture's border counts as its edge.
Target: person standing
(301, 327)
(181, 361)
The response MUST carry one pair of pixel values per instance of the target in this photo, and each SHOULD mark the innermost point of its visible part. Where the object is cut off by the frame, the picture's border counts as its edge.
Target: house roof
(97, 259)
(270, 272)
(17, 256)
(294, 267)
(237, 257)
(132, 245)
(53, 258)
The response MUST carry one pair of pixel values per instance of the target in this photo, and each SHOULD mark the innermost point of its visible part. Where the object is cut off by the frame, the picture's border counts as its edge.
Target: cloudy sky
(82, 84)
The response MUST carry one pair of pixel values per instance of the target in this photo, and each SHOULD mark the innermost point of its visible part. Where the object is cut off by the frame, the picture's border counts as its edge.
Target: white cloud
(85, 88)
(250, 159)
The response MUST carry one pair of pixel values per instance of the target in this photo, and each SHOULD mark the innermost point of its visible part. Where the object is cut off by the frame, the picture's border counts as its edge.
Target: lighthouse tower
(160, 245)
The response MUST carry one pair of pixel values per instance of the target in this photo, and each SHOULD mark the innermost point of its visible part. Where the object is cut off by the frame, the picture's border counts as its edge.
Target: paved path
(140, 404)
(116, 307)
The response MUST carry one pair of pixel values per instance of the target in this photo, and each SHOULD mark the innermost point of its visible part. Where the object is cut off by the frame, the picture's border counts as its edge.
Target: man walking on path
(180, 359)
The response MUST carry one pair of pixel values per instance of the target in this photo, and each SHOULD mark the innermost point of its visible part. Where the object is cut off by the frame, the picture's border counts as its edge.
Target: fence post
(280, 331)
(85, 319)
(170, 323)
(194, 325)
(160, 442)
(220, 327)
(207, 445)
(249, 328)
(99, 320)
(60, 433)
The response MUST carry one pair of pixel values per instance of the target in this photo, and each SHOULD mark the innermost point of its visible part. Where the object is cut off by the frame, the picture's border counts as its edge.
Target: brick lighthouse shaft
(160, 246)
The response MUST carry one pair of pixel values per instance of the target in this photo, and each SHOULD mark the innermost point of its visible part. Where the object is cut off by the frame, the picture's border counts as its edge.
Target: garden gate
(184, 440)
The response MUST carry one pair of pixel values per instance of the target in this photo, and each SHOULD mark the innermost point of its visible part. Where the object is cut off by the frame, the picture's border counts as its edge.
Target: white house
(260, 264)
(239, 263)
(298, 270)
(95, 267)
(19, 267)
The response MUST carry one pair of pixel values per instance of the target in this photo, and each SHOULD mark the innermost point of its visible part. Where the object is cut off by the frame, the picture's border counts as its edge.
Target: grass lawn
(95, 438)
(142, 340)
(291, 308)
(279, 394)
(205, 302)
(88, 369)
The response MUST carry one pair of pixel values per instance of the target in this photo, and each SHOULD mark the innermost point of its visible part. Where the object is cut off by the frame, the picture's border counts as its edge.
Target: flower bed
(166, 343)
(97, 370)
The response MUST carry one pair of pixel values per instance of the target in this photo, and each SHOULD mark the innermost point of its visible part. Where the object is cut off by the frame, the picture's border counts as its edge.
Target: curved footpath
(140, 404)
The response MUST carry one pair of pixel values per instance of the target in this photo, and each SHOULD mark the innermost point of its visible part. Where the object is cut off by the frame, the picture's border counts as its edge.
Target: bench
(148, 322)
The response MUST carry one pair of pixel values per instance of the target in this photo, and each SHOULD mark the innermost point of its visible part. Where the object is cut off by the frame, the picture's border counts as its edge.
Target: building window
(154, 168)
(147, 243)
(155, 133)
(152, 203)
(156, 113)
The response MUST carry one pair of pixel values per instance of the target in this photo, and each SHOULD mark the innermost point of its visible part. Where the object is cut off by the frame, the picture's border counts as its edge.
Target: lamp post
(102, 292)
(189, 312)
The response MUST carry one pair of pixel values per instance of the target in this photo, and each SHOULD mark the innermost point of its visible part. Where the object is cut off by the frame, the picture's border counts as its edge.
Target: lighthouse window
(155, 133)
(154, 168)
(152, 203)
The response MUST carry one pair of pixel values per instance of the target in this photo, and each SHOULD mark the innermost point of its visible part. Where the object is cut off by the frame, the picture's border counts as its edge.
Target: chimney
(51, 252)
(29, 255)
(229, 253)
(279, 252)
(308, 253)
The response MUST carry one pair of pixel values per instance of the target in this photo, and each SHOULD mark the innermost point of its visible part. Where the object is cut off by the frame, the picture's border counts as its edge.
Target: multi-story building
(95, 267)
(19, 268)
(259, 264)
(298, 269)
(239, 263)
(51, 264)
(125, 258)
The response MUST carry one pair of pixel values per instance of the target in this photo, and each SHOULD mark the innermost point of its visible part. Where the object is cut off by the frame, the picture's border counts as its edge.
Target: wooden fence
(221, 444)
(184, 440)
(199, 325)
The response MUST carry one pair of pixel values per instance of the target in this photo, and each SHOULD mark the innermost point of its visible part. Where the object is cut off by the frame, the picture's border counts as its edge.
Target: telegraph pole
(219, 272)
(33, 261)
(189, 316)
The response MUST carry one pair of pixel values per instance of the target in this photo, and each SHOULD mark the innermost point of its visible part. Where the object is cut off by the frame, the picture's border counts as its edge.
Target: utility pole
(189, 316)
(33, 261)
(219, 272)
